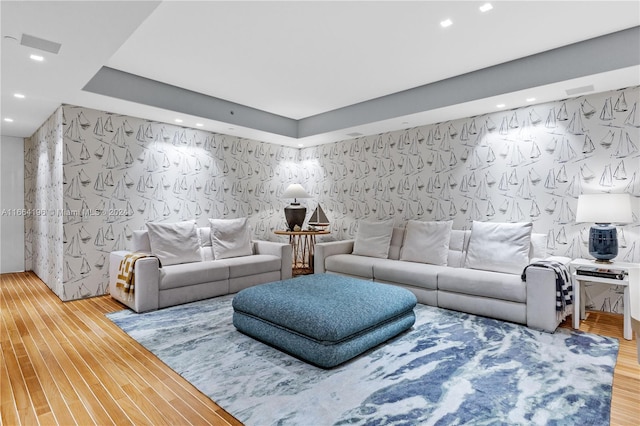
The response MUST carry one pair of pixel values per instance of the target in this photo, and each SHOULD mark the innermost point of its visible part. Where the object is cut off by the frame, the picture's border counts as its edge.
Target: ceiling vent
(40, 44)
(579, 90)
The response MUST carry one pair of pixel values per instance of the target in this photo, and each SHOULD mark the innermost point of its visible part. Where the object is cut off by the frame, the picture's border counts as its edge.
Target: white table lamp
(295, 213)
(603, 210)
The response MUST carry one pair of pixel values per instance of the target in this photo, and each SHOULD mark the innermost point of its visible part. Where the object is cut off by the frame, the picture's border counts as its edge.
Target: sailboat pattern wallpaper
(118, 173)
(43, 203)
(527, 164)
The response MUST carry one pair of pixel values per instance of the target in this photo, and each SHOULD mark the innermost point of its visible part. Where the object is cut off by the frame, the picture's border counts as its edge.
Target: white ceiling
(295, 59)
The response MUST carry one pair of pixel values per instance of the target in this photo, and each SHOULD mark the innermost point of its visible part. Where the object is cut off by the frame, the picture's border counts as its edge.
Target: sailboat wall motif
(526, 164)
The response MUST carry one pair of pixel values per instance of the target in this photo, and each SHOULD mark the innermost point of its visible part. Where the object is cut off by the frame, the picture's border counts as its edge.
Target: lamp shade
(295, 190)
(604, 208)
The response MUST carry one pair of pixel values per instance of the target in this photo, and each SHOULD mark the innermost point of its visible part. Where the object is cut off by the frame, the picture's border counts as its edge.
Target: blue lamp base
(603, 242)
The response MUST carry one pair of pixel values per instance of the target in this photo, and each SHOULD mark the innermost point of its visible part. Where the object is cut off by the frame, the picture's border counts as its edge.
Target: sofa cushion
(495, 285)
(351, 264)
(252, 265)
(187, 274)
(230, 237)
(174, 243)
(140, 241)
(397, 236)
(538, 250)
(204, 237)
(499, 247)
(426, 242)
(458, 243)
(373, 238)
(410, 273)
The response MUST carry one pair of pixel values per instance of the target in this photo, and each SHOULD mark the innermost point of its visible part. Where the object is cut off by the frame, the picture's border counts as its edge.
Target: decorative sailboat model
(318, 219)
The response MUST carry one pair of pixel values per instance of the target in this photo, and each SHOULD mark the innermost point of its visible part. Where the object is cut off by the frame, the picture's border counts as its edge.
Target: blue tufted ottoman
(324, 319)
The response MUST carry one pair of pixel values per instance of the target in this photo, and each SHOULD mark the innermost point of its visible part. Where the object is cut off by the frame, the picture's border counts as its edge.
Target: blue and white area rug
(449, 369)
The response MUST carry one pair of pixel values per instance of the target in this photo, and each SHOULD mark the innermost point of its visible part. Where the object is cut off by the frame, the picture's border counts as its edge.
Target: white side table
(578, 302)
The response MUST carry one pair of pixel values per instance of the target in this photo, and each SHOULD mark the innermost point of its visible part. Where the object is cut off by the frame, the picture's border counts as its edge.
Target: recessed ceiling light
(37, 58)
(199, 124)
(8, 120)
(300, 145)
(446, 23)
(486, 7)
(18, 95)
(178, 120)
(530, 99)
(501, 105)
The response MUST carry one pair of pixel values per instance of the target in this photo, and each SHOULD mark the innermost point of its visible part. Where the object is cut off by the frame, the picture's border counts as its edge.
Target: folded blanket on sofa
(126, 272)
(564, 285)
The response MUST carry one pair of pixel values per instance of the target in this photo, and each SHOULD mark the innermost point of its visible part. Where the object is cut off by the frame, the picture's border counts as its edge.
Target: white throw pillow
(230, 237)
(426, 242)
(373, 238)
(174, 243)
(500, 247)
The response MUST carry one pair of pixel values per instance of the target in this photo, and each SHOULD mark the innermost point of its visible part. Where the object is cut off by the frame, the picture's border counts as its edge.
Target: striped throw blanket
(126, 280)
(564, 286)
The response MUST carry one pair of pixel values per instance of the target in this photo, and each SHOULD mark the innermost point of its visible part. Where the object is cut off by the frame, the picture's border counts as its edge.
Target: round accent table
(302, 244)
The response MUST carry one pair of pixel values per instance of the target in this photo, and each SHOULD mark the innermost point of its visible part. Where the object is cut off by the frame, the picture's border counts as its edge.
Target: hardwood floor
(625, 401)
(66, 363)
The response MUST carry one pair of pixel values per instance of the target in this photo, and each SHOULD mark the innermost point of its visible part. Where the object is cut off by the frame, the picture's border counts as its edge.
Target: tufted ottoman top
(325, 307)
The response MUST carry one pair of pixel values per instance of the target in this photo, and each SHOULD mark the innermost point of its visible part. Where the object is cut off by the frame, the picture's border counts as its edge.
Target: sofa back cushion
(458, 243)
(174, 243)
(231, 238)
(396, 243)
(538, 249)
(206, 249)
(426, 242)
(499, 247)
(373, 238)
(140, 241)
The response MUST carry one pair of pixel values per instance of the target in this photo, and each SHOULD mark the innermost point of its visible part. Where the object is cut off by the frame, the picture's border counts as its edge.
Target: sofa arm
(324, 250)
(281, 250)
(541, 296)
(147, 285)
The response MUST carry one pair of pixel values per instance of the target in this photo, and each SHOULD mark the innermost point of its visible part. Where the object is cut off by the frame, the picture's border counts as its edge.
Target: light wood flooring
(66, 363)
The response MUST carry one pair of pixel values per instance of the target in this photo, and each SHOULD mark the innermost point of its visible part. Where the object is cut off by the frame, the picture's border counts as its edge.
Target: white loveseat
(159, 287)
(482, 292)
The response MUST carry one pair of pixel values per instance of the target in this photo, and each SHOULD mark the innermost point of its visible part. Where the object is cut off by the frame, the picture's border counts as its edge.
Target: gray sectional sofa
(453, 286)
(159, 287)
